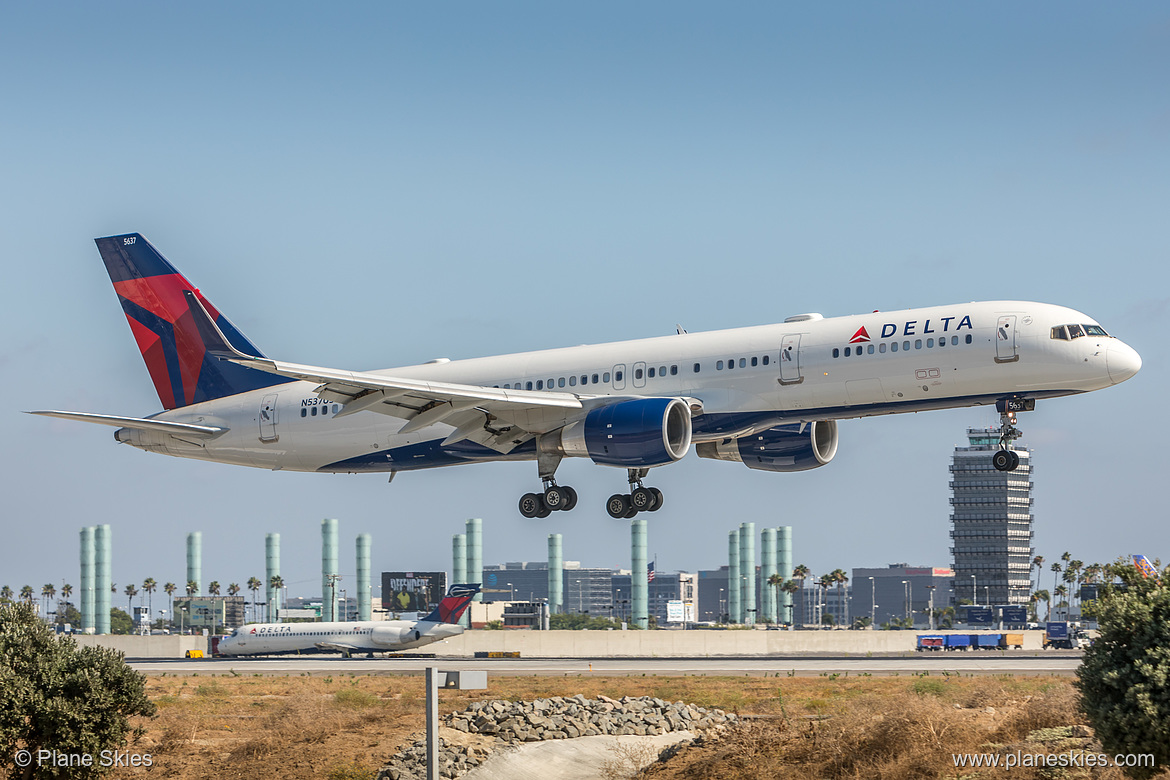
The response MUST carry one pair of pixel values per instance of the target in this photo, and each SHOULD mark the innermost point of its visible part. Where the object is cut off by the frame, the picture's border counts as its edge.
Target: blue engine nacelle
(631, 434)
(783, 448)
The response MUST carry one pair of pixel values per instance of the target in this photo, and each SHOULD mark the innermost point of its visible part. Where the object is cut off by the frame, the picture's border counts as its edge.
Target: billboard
(1014, 614)
(412, 591)
(674, 612)
(982, 616)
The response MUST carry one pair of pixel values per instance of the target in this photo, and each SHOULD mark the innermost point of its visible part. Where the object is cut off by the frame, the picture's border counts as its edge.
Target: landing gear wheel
(531, 504)
(1005, 460)
(556, 498)
(617, 505)
(571, 500)
(631, 512)
(657, 499)
(544, 511)
(643, 499)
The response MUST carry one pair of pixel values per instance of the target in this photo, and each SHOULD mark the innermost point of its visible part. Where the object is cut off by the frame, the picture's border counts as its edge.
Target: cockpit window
(1066, 332)
(236, 632)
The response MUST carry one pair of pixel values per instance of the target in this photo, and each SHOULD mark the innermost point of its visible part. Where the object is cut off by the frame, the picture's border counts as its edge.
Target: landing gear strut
(554, 497)
(639, 499)
(1005, 459)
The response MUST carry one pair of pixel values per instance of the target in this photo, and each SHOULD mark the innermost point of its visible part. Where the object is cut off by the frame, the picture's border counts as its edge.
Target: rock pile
(511, 723)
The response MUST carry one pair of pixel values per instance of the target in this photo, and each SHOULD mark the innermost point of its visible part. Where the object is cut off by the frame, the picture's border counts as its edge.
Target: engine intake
(631, 434)
(784, 448)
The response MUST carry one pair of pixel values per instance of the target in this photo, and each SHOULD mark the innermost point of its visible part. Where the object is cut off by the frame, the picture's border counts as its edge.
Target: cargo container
(984, 641)
(931, 642)
(958, 641)
(1013, 640)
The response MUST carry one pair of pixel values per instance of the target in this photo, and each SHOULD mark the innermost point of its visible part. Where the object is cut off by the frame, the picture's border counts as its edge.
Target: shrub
(1124, 679)
(55, 695)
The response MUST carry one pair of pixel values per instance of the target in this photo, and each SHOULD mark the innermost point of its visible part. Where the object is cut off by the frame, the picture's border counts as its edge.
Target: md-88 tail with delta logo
(768, 396)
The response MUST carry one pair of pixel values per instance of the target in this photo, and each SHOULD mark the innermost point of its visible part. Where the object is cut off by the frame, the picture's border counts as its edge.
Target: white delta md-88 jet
(767, 396)
(364, 636)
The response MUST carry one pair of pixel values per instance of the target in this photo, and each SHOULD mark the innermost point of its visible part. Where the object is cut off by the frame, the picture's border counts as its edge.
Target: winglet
(214, 341)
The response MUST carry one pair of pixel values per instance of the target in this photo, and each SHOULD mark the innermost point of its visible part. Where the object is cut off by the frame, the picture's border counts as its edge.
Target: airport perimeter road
(965, 663)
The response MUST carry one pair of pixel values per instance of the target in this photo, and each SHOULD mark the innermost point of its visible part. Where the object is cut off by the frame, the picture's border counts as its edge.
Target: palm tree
(213, 587)
(6, 593)
(1042, 595)
(277, 584)
(1037, 563)
(170, 589)
(131, 591)
(823, 583)
(840, 577)
(26, 593)
(66, 591)
(798, 574)
(48, 592)
(192, 587)
(1060, 592)
(148, 587)
(775, 580)
(1055, 571)
(791, 587)
(254, 585)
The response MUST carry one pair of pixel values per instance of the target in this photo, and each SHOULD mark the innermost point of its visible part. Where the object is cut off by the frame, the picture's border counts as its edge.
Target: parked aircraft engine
(631, 434)
(390, 636)
(783, 448)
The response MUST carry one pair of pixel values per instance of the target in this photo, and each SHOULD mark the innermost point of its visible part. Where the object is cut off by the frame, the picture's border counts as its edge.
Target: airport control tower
(991, 523)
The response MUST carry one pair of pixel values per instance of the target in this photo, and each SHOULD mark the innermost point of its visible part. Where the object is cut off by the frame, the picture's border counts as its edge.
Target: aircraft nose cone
(1123, 362)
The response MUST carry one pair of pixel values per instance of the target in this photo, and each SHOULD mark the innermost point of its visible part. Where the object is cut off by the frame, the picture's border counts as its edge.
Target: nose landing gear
(1005, 459)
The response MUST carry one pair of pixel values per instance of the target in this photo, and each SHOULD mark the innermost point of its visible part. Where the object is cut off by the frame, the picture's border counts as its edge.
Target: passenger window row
(743, 363)
(639, 374)
(870, 349)
(311, 411)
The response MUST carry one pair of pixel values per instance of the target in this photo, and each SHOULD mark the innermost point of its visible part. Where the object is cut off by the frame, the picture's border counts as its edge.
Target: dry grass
(829, 727)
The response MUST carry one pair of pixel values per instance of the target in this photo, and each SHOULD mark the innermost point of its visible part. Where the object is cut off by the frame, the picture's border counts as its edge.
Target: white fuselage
(377, 636)
(746, 380)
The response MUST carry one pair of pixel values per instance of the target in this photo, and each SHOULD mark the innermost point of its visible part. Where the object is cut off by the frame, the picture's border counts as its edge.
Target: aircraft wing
(341, 647)
(499, 418)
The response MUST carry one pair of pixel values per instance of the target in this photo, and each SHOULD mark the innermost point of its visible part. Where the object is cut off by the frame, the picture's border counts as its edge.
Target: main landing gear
(639, 499)
(555, 498)
(1005, 459)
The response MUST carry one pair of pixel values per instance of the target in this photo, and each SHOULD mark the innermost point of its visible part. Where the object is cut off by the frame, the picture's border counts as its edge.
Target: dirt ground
(345, 727)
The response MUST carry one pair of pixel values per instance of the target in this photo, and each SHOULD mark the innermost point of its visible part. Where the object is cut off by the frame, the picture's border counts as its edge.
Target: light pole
(910, 600)
(906, 588)
(580, 601)
(987, 595)
(511, 591)
(872, 603)
(719, 618)
(931, 589)
(344, 607)
(974, 592)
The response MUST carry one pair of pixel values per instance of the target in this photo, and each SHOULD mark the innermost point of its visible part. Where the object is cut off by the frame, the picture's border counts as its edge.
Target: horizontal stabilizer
(161, 426)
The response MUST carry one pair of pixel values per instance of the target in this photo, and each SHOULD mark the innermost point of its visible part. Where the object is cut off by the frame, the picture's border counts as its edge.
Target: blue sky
(377, 185)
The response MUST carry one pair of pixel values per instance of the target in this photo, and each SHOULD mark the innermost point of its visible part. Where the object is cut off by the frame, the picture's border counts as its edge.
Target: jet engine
(783, 448)
(392, 636)
(631, 434)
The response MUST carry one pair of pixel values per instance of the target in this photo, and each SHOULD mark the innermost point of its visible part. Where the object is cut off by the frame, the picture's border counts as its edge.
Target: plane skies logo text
(911, 328)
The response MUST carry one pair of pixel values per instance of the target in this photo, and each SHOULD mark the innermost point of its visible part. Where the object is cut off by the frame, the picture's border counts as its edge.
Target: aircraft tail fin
(454, 604)
(151, 292)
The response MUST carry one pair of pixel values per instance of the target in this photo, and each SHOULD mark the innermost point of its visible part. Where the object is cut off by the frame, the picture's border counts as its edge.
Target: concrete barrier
(136, 646)
(690, 644)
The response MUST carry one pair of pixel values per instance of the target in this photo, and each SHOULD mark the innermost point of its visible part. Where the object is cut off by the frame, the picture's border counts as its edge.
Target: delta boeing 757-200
(767, 396)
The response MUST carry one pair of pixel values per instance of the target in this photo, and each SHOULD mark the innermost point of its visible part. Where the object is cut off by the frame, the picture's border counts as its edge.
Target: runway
(1040, 663)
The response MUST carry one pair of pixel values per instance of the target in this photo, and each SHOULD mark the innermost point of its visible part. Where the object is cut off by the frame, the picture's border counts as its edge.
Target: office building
(900, 591)
(991, 523)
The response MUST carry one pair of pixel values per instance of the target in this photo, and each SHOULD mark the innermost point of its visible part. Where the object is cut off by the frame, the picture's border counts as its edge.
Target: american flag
(650, 572)
(1144, 566)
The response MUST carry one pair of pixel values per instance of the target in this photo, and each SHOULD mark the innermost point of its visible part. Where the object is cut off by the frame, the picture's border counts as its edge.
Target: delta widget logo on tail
(860, 337)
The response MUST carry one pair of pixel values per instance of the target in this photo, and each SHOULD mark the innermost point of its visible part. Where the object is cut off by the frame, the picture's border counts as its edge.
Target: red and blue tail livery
(151, 292)
(453, 605)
